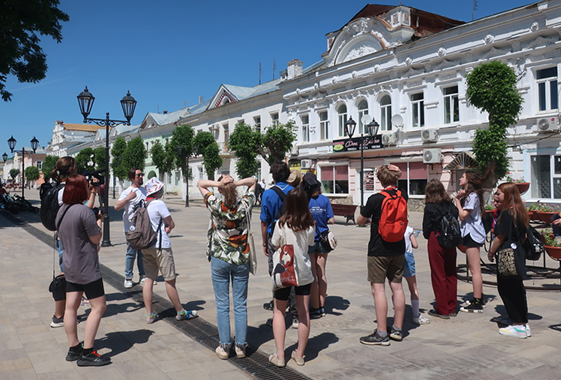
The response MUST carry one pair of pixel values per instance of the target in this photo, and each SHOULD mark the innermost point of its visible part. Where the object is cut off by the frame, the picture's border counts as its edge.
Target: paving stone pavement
(466, 346)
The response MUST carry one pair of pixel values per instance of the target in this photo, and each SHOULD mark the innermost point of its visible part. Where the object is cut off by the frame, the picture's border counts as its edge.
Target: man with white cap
(160, 256)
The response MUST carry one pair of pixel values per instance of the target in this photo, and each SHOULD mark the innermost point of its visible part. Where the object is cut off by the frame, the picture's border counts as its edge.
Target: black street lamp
(12, 145)
(85, 102)
(372, 127)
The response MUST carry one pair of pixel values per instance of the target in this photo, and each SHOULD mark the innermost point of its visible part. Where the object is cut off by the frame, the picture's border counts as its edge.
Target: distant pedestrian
(80, 232)
(442, 260)
(228, 253)
(295, 228)
(159, 258)
(295, 178)
(385, 260)
(469, 202)
(129, 201)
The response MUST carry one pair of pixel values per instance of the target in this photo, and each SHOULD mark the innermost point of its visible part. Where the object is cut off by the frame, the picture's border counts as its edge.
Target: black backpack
(450, 234)
(49, 204)
(533, 246)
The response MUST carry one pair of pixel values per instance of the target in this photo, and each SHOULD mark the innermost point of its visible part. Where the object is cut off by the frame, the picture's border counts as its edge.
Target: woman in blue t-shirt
(320, 208)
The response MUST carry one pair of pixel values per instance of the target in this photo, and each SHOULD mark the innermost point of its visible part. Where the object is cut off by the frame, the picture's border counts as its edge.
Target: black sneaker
(269, 305)
(396, 334)
(483, 303)
(57, 322)
(74, 353)
(316, 313)
(93, 359)
(433, 313)
(474, 307)
(375, 340)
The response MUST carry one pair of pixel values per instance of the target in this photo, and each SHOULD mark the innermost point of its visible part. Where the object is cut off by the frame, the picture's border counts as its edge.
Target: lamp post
(5, 158)
(184, 158)
(372, 127)
(12, 145)
(85, 102)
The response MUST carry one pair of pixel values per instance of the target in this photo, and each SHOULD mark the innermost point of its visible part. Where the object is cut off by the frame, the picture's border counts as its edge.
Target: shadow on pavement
(119, 342)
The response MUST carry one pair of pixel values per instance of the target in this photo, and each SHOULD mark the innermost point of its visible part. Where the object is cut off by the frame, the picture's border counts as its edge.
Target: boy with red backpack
(386, 253)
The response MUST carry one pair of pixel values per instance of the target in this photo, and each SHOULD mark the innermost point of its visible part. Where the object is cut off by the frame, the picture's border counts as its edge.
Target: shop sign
(351, 145)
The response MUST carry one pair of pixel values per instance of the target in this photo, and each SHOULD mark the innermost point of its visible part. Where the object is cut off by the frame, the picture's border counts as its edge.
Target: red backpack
(393, 221)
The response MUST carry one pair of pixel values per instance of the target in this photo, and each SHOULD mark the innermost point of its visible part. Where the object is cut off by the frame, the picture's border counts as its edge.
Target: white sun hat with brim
(153, 186)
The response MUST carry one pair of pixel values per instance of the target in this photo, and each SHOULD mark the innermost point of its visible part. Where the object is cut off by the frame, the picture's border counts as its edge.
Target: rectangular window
(323, 126)
(305, 128)
(201, 172)
(274, 119)
(546, 177)
(257, 123)
(418, 110)
(547, 89)
(413, 177)
(342, 121)
(335, 179)
(38, 164)
(386, 117)
(451, 105)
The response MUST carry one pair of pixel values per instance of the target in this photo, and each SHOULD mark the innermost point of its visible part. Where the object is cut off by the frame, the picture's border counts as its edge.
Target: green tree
(21, 24)
(182, 136)
(14, 173)
(491, 87)
(246, 145)
(117, 152)
(85, 160)
(277, 142)
(162, 160)
(206, 145)
(135, 155)
(99, 157)
(32, 173)
(48, 165)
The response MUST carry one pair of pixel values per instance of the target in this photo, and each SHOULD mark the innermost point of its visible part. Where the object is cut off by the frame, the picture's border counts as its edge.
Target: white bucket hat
(153, 186)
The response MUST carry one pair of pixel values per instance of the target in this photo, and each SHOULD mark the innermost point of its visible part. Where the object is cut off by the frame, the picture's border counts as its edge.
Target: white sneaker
(142, 280)
(295, 323)
(420, 320)
(223, 351)
(528, 331)
(128, 283)
(514, 331)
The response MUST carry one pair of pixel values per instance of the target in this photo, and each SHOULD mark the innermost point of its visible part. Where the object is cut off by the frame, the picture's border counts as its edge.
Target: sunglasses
(140, 174)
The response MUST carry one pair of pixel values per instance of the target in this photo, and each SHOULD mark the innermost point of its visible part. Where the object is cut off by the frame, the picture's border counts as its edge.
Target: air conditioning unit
(305, 164)
(548, 124)
(429, 135)
(432, 156)
(389, 139)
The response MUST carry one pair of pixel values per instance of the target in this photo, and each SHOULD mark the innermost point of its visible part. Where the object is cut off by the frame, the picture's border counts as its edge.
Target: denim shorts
(316, 248)
(409, 267)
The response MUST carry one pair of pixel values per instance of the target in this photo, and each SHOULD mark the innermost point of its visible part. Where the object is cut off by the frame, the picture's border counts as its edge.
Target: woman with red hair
(79, 229)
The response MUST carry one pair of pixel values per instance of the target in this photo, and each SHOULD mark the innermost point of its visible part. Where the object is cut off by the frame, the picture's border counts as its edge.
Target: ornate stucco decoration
(441, 52)
(541, 41)
(489, 39)
(494, 52)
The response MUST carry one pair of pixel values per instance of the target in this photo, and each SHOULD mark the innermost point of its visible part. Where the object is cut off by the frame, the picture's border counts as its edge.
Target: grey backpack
(141, 235)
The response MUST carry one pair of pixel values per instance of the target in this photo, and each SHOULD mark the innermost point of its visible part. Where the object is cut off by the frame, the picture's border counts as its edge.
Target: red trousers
(444, 276)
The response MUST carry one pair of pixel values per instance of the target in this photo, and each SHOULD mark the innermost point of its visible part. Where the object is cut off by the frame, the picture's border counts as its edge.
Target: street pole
(106, 231)
(361, 171)
(22, 171)
(187, 182)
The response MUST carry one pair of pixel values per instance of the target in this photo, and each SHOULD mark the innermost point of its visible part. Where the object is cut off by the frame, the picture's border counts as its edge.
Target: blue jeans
(129, 262)
(222, 274)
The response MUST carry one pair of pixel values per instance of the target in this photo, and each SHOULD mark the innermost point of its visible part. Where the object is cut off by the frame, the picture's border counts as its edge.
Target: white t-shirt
(407, 238)
(129, 206)
(157, 210)
(300, 241)
(473, 225)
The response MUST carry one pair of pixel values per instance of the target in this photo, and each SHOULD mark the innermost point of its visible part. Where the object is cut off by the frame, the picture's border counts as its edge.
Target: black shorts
(92, 290)
(58, 288)
(470, 243)
(284, 293)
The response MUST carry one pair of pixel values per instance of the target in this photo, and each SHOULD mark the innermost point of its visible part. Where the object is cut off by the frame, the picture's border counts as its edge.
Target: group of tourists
(294, 218)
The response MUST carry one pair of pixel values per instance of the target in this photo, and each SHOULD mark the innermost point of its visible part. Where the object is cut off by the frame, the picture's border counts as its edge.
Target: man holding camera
(129, 199)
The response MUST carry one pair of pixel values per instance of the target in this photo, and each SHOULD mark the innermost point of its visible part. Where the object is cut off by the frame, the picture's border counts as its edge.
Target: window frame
(451, 104)
(553, 81)
(386, 113)
(323, 125)
(361, 112)
(417, 110)
(342, 117)
(323, 169)
(305, 127)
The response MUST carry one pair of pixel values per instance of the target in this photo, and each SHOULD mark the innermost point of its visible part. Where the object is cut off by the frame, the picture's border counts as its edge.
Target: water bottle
(416, 233)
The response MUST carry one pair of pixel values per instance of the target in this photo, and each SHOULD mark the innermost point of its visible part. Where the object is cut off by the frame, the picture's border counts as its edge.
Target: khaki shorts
(158, 260)
(382, 267)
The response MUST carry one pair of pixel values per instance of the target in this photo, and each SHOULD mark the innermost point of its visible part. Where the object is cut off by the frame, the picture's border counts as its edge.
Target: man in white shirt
(129, 200)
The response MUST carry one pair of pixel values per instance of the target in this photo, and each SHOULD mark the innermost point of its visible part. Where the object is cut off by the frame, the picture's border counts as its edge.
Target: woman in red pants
(442, 260)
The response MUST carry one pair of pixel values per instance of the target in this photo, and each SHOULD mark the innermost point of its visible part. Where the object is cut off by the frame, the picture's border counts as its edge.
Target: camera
(95, 174)
(97, 212)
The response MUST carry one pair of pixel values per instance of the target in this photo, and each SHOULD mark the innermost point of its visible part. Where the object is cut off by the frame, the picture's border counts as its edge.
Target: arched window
(342, 113)
(362, 110)
(386, 113)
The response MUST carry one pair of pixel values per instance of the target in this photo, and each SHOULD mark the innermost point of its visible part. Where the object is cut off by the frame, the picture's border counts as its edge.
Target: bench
(348, 211)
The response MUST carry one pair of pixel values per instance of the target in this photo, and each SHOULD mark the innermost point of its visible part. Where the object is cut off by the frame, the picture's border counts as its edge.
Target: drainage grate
(256, 364)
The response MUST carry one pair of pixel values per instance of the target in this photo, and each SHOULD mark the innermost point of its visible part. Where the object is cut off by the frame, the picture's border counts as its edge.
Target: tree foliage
(277, 142)
(245, 142)
(205, 145)
(99, 157)
(161, 159)
(14, 173)
(48, 165)
(85, 160)
(32, 173)
(492, 88)
(21, 24)
(117, 152)
(134, 155)
(182, 136)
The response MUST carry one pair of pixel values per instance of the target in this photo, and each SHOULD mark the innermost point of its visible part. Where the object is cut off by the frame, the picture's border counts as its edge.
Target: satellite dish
(366, 119)
(397, 120)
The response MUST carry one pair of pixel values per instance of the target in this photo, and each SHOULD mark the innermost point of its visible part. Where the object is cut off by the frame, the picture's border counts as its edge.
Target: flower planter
(543, 216)
(553, 252)
(523, 187)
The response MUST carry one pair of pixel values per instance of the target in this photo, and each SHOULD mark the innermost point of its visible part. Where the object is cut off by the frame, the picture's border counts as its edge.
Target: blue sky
(170, 52)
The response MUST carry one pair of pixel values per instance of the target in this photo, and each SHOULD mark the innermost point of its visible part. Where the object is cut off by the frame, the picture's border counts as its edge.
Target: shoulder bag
(511, 260)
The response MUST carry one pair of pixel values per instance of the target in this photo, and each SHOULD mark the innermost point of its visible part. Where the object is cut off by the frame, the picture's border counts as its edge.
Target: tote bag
(284, 268)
